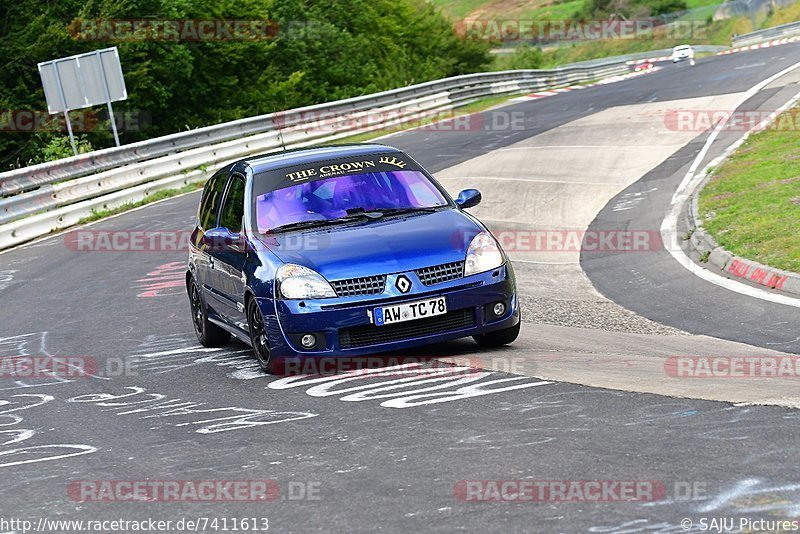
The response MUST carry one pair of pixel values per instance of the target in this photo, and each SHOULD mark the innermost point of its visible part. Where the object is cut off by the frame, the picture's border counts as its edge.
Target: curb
(650, 60)
(705, 245)
(638, 71)
(765, 44)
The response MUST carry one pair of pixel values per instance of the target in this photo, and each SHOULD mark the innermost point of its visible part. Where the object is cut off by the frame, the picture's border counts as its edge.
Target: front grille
(441, 273)
(363, 336)
(368, 285)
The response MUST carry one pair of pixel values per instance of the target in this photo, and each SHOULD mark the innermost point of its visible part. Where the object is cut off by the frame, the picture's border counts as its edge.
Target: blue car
(343, 251)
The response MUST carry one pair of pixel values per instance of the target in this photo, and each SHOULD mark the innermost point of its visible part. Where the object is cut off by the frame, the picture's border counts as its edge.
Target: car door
(230, 253)
(201, 256)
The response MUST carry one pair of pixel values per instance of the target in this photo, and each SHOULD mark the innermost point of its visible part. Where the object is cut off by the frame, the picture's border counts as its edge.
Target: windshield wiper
(377, 213)
(303, 224)
(352, 214)
(326, 222)
(399, 211)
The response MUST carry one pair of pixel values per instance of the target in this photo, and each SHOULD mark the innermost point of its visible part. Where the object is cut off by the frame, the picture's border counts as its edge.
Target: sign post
(82, 81)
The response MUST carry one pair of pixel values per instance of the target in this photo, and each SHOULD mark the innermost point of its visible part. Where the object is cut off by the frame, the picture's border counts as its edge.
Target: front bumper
(343, 326)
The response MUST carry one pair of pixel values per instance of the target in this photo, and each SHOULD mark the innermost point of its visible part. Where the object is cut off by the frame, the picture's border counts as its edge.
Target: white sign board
(83, 80)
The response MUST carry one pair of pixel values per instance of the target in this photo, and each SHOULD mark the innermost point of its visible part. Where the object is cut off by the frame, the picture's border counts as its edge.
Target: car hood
(382, 246)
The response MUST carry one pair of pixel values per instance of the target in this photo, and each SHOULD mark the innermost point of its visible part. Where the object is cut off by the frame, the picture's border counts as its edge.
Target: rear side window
(233, 210)
(207, 216)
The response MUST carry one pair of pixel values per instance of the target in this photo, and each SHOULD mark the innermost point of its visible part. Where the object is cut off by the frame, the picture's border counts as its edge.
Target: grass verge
(716, 33)
(751, 205)
(704, 31)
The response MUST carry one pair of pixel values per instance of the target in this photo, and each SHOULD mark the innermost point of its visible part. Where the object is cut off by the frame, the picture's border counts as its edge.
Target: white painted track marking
(669, 227)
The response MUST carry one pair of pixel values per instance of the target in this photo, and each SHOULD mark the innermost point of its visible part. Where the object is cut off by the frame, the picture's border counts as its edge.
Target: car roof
(301, 156)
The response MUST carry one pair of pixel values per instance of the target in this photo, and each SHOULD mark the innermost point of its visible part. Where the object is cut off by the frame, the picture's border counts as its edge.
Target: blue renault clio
(343, 251)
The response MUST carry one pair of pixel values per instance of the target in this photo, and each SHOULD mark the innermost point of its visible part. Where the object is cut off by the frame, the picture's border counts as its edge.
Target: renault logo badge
(403, 284)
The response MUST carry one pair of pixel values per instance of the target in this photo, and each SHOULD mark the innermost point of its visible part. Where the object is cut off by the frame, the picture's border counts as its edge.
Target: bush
(601, 9)
(59, 147)
(524, 57)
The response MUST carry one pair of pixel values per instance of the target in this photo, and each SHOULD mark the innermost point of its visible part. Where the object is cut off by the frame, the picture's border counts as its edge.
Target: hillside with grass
(560, 9)
(698, 15)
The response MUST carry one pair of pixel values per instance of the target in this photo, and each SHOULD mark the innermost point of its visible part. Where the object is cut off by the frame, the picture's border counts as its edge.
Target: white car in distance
(682, 52)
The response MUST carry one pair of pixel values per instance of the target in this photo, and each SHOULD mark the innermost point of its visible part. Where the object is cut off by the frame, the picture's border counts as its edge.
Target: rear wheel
(498, 338)
(208, 334)
(258, 336)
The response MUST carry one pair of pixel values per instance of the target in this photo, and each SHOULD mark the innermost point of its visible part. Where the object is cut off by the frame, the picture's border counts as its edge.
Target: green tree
(323, 51)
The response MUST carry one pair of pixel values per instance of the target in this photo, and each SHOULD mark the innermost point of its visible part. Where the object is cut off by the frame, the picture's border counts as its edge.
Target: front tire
(258, 336)
(208, 334)
(498, 338)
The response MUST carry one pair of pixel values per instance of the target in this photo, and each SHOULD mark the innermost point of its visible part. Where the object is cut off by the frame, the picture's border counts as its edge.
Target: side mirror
(468, 198)
(221, 239)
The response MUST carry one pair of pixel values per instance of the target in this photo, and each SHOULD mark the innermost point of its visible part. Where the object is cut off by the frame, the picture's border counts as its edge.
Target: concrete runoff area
(671, 365)
(554, 184)
(561, 179)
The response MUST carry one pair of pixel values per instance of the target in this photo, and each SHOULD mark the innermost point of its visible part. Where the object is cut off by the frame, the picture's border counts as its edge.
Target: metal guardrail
(29, 177)
(43, 198)
(791, 29)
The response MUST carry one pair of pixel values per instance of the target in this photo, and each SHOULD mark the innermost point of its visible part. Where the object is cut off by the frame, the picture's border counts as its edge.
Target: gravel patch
(590, 314)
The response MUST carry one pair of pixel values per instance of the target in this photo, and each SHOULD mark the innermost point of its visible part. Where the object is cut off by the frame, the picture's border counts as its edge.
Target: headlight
(483, 255)
(298, 282)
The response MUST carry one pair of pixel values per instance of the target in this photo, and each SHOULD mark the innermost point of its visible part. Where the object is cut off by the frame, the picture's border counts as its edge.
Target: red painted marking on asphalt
(166, 280)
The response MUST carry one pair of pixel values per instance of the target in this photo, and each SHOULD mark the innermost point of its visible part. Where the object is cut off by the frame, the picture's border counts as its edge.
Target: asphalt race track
(672, 295)
(399, 450)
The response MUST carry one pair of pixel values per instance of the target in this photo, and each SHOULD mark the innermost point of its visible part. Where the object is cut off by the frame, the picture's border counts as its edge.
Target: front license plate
(410, 311)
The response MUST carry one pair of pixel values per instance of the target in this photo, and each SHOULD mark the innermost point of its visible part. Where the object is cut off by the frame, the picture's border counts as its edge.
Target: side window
(233, 209)
(207, 216)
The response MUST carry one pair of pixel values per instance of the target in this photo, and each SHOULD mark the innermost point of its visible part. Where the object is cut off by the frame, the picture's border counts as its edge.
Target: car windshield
(344, 196)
